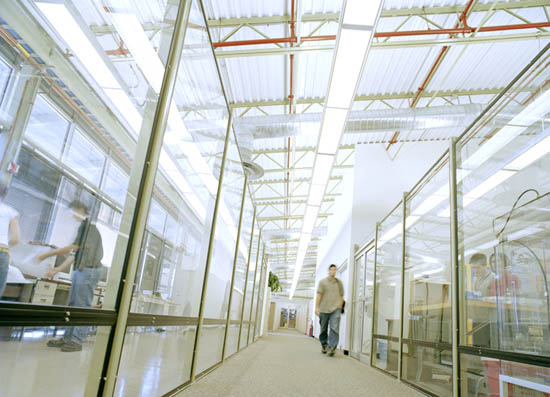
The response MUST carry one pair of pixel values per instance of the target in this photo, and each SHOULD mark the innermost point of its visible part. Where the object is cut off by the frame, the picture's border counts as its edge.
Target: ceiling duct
(439, 117)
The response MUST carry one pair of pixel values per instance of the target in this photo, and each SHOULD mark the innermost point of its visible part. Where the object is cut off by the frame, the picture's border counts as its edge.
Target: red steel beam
(462, 18)
(428, 32)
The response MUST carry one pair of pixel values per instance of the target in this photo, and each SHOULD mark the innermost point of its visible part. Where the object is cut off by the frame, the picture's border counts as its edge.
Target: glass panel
(359, 285)
(256, 287)
(116, 183)
(30, 367)
(219, 278)
(84, 158)
(503, 222)
(240, 277)
(482, 376)
(367, 303)
(504, 244)
(5, 73)
(388, 292)
(155, 360)
(46, 127)
(249, 286)
(90, 110)
(427, 294)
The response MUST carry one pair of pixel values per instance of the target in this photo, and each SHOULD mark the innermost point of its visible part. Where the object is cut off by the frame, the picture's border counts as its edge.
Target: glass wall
(474, 315)
(363, 303)
(82, 89)
(387, 292)
(237, 302)
(503, 200)
(427, 330)
(357, 302)
(249, 286)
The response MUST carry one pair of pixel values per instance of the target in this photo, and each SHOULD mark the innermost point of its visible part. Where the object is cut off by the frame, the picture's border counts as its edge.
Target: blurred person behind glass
(87, 271)
(483, 286)
(9, 234)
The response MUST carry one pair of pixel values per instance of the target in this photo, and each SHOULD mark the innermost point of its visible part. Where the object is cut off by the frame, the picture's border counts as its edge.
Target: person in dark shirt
(87, 252)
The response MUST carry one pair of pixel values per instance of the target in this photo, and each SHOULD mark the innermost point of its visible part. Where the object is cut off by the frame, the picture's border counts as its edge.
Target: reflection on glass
(76, 116)
(29, 367)
(427, 358)
(388, 292)
(504, 188)
(155, 360)
(367, 304)
(359, 281)
(485, 376)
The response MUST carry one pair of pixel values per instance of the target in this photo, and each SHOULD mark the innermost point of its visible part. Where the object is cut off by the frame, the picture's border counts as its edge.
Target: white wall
(374, 187)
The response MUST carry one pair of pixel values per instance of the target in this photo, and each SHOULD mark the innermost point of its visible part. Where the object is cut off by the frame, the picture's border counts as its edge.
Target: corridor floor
(291, 364)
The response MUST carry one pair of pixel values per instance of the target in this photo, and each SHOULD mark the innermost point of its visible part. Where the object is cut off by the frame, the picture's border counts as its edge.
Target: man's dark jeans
(332, 319)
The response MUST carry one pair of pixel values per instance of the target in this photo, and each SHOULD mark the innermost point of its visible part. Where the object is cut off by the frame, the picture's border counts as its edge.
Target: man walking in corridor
(328, 306)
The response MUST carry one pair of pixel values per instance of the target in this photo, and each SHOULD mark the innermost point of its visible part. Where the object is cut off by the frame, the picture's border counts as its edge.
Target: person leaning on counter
(88, 252)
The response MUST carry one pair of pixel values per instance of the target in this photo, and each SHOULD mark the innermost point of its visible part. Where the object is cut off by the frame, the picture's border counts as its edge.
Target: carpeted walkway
(290, 364)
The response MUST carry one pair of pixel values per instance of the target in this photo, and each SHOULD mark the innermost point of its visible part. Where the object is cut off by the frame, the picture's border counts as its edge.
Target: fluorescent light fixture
(334, 122)
(352, 47)
(361, 12)
(309, 219)
(350, 55)
(530, 156)
(316, 193)
(67, 27)
(322, 169)
(531, 114)
(432, 201)
(131, 31)
(484, 187)
(497, 142)
(487, 185)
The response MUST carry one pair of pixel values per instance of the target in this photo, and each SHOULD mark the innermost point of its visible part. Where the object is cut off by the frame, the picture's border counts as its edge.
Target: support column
(253, 287)
(402, 296)
(235, 260)
(455, 273)
(374, 294)
(246, 279)
(143, 199)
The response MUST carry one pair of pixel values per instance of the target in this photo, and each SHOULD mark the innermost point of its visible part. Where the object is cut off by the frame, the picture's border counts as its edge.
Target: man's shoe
(55, 343)
(324, 349)
(71, 347)
(331, 351)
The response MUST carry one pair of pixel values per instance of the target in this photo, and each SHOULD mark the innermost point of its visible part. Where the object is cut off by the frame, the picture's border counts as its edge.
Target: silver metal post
(150, 166)
(13, 144)
(258, 297)
(455, 273)
(210, 249)
(235, 260)
(402, 297)
(374, 294)
(253, 287)
(246, 278)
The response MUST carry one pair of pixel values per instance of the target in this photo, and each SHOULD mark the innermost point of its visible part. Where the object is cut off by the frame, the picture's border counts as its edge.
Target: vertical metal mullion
(353, 301)
(209, 252)
(258, 297)
(254, 286)
(374, 294)
(402, 296)
(235, 260)
(246, 278)
(455, 274)
(143, 199)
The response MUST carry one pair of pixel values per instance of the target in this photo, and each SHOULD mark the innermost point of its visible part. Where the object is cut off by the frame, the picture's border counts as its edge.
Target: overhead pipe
(405, 33)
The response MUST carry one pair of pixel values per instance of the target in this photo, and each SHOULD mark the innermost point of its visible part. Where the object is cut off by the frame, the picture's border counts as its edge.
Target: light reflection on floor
(153, 362)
